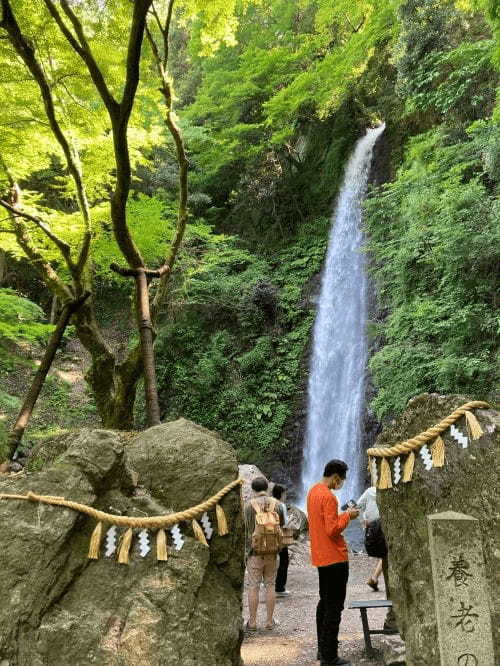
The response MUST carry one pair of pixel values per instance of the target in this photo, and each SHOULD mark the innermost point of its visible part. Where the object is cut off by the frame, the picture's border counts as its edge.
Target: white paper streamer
(110, 543)
(426, 457)
(144, 543)
(397, 470)
(459, 436)
(177, 536)
(207, 527)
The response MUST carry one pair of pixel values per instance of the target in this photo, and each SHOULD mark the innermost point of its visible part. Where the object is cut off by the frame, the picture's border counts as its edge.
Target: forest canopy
(269, 98)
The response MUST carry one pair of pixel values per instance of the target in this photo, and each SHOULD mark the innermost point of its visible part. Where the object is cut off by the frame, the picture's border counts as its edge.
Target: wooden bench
(367, 632)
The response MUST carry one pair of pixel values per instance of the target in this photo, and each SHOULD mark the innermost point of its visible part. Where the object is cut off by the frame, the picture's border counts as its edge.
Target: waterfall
(339, 355)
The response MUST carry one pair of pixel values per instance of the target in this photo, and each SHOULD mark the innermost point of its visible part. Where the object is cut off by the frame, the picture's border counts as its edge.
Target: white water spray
(337, 372)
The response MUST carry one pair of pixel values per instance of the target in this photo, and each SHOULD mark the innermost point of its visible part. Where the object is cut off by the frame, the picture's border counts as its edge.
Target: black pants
(282, 573)
(332, 591)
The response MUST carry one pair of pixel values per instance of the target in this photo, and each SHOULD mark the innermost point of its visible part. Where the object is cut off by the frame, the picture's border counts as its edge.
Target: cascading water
(337, 372)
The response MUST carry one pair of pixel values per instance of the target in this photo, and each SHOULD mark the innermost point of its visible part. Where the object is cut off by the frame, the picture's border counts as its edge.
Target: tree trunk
(113, 384)
(114, 387)
(53, 309)
(26, 411)
(3, 267)
(148, 356)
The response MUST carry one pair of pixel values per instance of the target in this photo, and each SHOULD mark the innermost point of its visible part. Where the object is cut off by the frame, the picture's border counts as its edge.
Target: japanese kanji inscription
(460, 591)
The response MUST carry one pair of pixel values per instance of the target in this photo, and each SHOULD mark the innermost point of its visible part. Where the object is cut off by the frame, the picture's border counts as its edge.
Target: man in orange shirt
(329, 554)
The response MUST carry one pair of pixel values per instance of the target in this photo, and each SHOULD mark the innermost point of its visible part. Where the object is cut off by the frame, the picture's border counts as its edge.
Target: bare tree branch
(132, 272)
(26, 411)
(166, 90)
(141, 8)
(122, 157)
(119, 112)
(357, 28)
(81, 46)
(63, 247)
(164, 30)
(20, 121)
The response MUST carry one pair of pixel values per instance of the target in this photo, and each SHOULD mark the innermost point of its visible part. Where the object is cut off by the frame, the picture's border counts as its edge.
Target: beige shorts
(262, 568)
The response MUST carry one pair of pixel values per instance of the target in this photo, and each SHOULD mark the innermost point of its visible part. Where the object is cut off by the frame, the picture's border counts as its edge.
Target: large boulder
(60, 608)
(468, 484)
(247, 474)
(298, 520)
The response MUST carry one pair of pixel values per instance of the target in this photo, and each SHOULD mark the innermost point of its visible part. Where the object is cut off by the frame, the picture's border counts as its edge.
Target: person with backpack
(279, 493)
(329, 555)
(264, 518)
(375, 545)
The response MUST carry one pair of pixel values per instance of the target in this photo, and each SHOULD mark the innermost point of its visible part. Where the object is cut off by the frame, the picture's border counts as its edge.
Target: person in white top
(367, 504)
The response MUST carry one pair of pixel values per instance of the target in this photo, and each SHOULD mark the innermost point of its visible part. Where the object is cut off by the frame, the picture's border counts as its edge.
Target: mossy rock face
(48, 449)
(4, 447)
(60, 608)
(467, 484)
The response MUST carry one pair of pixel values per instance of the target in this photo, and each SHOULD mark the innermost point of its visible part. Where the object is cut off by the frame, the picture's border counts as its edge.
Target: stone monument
(460, 592)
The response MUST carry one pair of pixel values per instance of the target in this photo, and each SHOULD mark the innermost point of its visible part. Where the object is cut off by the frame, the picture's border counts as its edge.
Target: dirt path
(293, 642)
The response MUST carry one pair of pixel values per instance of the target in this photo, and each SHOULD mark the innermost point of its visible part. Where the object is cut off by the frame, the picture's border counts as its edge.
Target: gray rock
(393, 650)
(298, 519)
(248, 473)
(59, 608)
(48, 449)
(468, 483)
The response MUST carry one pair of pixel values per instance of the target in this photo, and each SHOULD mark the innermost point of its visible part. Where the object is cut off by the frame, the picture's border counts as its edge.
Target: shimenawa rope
(429, 434)
(409, 446)
(153, 522)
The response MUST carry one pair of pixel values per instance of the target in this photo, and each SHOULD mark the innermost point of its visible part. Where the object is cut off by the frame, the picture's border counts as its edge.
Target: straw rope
(151, 522)
(428, 435)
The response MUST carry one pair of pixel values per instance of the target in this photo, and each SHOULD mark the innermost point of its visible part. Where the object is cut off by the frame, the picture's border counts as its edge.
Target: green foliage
(9, 402)
(57, 403)
(152, 222)
(435, 237)
(427, 26)
(29, 152)
(4, 446)
(295, 63)
(460, 81)
(231, 358)
(21, 319)
(269, 119)
(336, 62)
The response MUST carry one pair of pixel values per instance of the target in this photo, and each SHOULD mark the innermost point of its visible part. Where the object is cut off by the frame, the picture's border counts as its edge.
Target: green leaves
(231, 357)
(460, 81)
(293, 63)
(435, 238)
(346, 40)
(21, 319)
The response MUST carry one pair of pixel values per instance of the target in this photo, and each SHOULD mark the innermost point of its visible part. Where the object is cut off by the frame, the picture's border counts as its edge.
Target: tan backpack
(267, 538)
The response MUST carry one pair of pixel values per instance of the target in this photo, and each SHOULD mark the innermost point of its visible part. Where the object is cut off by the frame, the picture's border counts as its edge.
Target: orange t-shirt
(326, 527)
